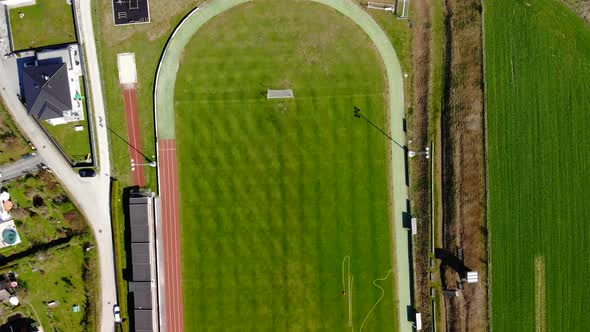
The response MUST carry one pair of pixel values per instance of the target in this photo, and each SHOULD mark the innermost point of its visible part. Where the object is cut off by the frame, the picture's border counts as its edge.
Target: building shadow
(19, 323)
(449, 259)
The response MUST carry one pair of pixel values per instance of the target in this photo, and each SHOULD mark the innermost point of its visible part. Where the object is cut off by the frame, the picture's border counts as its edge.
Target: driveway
(19, 168)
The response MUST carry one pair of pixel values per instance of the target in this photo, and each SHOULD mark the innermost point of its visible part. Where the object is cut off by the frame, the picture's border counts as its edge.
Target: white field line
(347, 288)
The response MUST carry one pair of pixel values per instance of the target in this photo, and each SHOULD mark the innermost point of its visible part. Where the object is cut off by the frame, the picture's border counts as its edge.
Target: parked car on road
(87, 172)
(117, 314)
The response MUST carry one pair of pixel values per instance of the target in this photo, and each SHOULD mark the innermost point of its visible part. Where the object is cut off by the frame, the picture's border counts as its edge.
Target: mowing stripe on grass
(168, 67)
(540, 294)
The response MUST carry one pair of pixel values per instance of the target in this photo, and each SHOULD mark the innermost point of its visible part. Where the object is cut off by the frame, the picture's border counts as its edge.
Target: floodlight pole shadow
(150, 161)
(358, 114)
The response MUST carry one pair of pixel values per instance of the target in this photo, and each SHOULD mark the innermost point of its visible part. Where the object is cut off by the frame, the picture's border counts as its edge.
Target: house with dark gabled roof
(50, 85)
(47, 92)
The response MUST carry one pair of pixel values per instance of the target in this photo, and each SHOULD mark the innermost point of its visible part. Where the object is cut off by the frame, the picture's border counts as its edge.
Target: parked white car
(117, 314)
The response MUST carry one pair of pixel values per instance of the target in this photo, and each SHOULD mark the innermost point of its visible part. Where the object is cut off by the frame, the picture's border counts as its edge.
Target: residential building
(51, 85)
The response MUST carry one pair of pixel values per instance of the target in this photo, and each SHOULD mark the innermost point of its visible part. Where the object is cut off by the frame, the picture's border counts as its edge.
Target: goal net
(381, 6)
(275, 94)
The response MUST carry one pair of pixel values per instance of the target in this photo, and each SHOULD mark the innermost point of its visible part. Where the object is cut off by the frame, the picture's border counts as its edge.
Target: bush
(38, 201)
(75, 221)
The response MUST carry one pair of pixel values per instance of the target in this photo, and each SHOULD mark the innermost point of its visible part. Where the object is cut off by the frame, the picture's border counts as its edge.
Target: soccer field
(538, 65)
(284, 203)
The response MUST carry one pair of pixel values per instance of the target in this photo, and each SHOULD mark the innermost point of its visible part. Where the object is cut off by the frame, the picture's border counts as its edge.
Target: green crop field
(276, 195)
(538, 70)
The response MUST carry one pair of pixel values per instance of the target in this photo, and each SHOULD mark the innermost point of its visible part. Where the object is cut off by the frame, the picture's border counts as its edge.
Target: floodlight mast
(425, 153)
(151, 164)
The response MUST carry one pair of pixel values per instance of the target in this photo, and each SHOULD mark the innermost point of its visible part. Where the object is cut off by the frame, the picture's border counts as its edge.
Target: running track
(171, 229)
(130, 93)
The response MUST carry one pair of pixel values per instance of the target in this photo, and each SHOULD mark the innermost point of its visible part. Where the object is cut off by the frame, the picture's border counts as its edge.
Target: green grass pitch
(275, 194)
(538, 70)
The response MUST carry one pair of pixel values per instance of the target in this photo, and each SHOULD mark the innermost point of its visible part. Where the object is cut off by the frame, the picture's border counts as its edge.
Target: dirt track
(463, 172)
(418, 123)
(581, 7)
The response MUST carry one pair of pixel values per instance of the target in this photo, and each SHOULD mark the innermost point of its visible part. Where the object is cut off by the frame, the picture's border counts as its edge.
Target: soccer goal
(278, 94)
(403, 14)
(381, 6)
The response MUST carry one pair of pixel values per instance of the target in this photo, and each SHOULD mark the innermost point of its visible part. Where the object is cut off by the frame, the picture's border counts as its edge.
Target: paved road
(106, 253)
(19, 168)
(4, 38)
(91, 194)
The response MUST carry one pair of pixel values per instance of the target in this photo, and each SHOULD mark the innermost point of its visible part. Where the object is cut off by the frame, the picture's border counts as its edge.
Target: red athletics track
(171, 230)
(134, 134)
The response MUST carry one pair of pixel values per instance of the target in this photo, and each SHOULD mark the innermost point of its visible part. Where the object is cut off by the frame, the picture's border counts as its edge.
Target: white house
(17, 3)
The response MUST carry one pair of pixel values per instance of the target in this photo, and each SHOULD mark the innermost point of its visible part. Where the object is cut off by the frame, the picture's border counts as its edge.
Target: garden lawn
(276, 193)
(76, 144)
(42, 212)
(538, 65)
(48, 22)
(58, 274)
(13, 145)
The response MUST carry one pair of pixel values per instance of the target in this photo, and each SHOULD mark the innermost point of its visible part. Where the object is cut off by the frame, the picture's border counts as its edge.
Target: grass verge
(118, 221)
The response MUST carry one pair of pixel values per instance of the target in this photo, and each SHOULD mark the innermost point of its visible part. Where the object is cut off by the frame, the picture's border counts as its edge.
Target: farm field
(281, 199)
(538, 64)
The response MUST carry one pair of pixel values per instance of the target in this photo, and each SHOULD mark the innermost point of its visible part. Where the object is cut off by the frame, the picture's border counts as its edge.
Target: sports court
(131, 11)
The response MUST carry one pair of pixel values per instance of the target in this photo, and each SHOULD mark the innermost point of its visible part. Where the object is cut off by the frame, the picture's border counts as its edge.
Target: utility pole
(151, 164)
